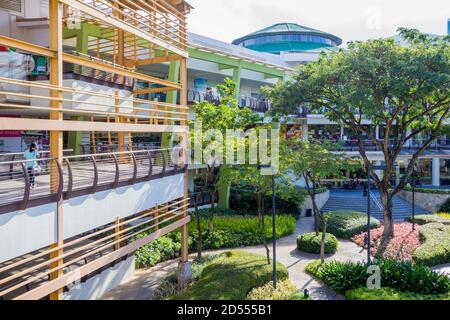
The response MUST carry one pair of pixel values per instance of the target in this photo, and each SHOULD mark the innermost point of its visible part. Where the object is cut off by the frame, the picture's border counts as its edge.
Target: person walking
(31, 155)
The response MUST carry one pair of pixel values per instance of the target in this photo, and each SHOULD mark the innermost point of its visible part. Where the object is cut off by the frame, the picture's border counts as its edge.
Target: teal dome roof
(287, 37)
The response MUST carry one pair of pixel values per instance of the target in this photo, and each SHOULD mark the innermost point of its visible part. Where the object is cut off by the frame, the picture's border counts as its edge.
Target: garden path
(143, 284)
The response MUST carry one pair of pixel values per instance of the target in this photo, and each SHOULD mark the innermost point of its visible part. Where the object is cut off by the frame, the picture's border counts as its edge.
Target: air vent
(13, 6)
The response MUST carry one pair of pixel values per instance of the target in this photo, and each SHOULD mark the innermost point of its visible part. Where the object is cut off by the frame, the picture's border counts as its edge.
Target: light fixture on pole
(274, 226)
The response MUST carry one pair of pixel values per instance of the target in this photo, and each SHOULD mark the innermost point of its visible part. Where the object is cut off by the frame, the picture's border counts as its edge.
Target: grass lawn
(231, 277)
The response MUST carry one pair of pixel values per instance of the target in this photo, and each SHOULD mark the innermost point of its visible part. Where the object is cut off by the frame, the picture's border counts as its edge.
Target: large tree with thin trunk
(403, 89)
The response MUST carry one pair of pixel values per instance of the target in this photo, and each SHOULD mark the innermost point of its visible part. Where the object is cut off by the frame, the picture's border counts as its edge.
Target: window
(14, 6)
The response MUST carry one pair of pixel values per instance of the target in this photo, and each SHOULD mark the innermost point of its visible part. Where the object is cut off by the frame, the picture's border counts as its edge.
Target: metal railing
(29, 183)
(369, 145)
(255, 104)
(375, 201)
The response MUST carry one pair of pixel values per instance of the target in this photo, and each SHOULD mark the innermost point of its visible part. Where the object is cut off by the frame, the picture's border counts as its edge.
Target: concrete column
(397, 175)
(377, 132)
(305, 129)
(379, 173)
(172, 97)
(342, 132)
(436, 172)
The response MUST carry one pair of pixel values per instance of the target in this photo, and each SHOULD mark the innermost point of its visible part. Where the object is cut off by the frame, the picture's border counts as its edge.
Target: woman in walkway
(31, 155)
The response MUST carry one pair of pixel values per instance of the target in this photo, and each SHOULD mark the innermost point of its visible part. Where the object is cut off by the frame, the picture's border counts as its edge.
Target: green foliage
(428, 190)
(435, 247)
(428, 218)
(237, 231)
(401, 275)
(286, 290)
(232, 277)
(243, 200)
(391, 294)
(446, 206)
(311, 242)
(229, 232)
(339, 276)
(347, 224)
(443, 215)
(161, 249)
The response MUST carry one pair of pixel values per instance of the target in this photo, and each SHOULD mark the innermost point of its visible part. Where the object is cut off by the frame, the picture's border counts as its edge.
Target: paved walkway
(143, 284)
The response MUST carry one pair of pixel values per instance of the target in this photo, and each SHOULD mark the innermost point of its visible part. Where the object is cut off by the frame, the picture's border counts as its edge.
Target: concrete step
(402, 208)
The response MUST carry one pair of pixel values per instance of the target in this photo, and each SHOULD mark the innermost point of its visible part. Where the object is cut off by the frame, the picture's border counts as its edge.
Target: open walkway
(142, 286)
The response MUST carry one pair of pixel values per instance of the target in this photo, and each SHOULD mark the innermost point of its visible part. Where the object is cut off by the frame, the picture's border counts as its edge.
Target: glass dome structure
(288, 37)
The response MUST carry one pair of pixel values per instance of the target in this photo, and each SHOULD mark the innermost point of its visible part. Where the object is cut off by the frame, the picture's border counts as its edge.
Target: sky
(227, 20)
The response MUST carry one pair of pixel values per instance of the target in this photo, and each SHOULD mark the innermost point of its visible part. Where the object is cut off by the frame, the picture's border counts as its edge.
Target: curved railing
(24, 185)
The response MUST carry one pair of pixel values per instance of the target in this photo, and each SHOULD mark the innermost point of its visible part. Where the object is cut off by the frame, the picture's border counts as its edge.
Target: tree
(249, 176)
(313, 161)
(403, 89)
(218, 119)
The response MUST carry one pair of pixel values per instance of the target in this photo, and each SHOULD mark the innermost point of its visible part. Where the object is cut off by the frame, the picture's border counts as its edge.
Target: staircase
(354, 201)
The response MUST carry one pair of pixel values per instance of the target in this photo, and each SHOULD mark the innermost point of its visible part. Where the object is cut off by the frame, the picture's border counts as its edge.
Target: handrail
(375, 200)
(73, 177)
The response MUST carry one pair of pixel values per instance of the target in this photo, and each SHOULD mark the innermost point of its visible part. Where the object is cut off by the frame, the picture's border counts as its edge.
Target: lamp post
(413, 209)
(274, 227)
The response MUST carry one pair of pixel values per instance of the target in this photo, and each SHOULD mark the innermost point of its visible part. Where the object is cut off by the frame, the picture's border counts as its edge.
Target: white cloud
(349, 19)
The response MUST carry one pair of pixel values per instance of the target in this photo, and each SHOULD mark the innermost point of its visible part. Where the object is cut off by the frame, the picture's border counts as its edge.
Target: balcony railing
(47, 180)
(88, 254)
(252, 103)
(352, 145)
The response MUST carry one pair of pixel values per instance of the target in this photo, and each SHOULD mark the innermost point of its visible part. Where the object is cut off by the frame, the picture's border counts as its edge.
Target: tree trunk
(322, 243)
(211, 215)
(199, 227)
(316, 212)
(388, 224)
(262, 226)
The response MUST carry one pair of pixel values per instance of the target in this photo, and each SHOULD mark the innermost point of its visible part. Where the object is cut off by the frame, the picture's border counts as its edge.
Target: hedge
(435, 247)
(229, 232)
(286, 290)
(428, 190)
(347, 224)
(232, 277)
(400, 275)
(429, 218)
(391, 294)
(311, 243)
(446, 206)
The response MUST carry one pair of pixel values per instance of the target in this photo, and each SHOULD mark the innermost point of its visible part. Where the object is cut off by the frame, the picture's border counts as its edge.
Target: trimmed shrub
(164, 248)
(443, 215)
(428, 190)
(232, 277)
(286, 290)
(310, 242)
(446, 206)
(391, 294)
(401, 247)
(347, 224)
(404, 276)
(429, 218)
(435, 247)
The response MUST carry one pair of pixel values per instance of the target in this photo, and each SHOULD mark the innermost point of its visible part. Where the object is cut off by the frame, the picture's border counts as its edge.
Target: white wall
(97, 286)
(86, 213)
(106, 103)
(24, 231)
